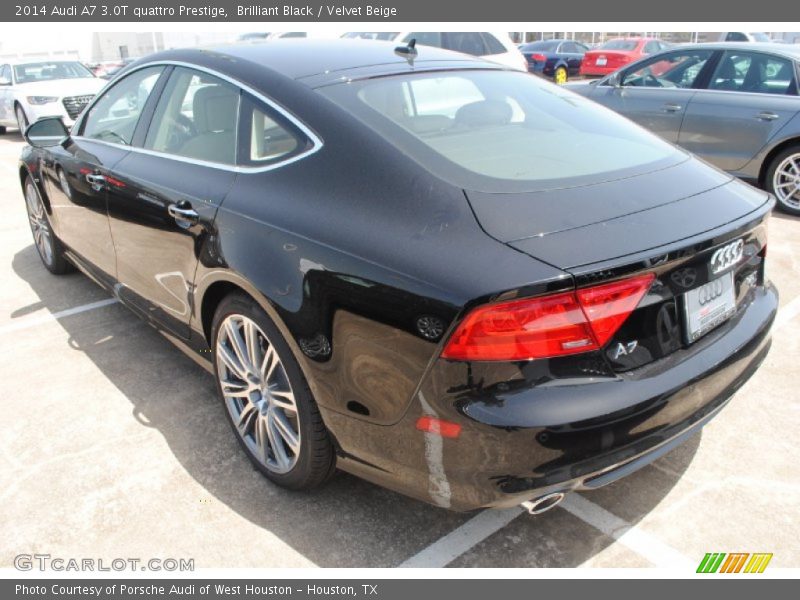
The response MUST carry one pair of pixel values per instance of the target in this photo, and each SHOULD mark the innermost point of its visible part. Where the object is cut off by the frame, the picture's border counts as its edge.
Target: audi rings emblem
(710, 291)
(727, 256)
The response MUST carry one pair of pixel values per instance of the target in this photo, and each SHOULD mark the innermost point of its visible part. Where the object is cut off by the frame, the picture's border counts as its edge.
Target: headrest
(214, 108)
(483, 113)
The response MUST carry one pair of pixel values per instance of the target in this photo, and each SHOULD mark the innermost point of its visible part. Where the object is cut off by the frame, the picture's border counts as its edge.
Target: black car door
(79, 171)
(167, 190)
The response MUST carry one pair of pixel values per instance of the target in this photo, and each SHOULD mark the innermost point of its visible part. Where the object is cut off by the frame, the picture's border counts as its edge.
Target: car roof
(306, 58)
(786, 50)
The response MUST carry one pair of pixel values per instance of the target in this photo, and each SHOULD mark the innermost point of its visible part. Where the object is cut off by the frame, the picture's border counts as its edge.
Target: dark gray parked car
(734, 104)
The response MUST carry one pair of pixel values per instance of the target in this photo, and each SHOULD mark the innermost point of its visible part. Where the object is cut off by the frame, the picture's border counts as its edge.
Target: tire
(262, 402)
(22, 120)
(49, 247)
(783, 179)
(560, 75)
(2, 130)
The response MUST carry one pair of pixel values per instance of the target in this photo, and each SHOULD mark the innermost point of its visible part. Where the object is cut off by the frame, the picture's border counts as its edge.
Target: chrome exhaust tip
(538, 506)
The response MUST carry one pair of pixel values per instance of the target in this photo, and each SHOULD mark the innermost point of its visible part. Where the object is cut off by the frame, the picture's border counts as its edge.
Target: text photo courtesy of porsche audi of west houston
(296, 295)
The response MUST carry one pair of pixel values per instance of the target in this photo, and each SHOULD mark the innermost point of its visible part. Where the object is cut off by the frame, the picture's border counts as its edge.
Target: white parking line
(50, 317)
(641, 542)
(462, 538)
(787, 313)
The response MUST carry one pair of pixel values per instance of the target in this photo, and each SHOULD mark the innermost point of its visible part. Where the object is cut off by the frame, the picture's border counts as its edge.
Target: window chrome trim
(316, 141)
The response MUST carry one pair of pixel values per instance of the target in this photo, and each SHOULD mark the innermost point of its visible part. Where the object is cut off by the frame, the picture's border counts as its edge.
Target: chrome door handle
(183, 213)
(672, 107)
(767, 116)
(96, 181)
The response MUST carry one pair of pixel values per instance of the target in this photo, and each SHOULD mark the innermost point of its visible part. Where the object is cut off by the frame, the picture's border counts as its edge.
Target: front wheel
(47, 244)
(560, 76)
(267, 399)
(22, 120)
(783, 179)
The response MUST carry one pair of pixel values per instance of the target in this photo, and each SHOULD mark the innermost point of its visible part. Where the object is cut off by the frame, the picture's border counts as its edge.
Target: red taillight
(547, 326)
(607, 306)
(538, 57)
(438, 426)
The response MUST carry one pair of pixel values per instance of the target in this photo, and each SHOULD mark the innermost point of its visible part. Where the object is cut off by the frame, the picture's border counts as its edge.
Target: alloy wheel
(42, 236)
(786, 181)
(257, 393)
(22, 120)
(561, 76)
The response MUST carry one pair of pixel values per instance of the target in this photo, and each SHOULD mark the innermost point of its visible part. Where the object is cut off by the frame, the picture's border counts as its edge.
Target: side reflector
(438, 426)
(547, 326)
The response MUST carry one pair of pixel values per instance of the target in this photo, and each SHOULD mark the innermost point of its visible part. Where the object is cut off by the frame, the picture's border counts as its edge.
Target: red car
(617, 53)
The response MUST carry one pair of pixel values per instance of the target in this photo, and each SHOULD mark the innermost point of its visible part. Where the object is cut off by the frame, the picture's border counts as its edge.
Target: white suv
(49, 88)
(494, 46)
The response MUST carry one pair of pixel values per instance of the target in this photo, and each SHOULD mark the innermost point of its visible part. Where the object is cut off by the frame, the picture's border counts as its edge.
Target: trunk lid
(570, 227)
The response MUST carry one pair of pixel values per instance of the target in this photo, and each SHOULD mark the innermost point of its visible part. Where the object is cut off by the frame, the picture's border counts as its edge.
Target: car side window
(113, 117)
(466, 42)
(493, 45)
(196, 117)
(776, 75)
(754, 72)
(569, 48)
(673, 70)
(268, 136)
(651, 47)
(425, 38)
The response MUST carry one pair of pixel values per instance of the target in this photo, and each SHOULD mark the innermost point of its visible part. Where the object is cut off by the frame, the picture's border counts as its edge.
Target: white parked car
(51, 88)
(494, 46)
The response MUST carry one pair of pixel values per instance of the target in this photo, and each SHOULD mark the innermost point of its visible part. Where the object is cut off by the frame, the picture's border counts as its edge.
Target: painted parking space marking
(49, 318)
(461, 539)
(788, 312)
(633, 538)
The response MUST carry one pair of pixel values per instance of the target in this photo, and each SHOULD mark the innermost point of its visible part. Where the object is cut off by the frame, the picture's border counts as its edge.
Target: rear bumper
(525, 435)
(596, 71)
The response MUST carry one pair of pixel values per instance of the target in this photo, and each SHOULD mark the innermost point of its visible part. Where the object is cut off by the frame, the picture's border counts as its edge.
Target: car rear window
(543, 46)
(620, 45)
(501, 130)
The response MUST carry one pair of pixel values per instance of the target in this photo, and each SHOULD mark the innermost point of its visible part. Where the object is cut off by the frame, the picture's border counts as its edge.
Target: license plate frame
(708, 306)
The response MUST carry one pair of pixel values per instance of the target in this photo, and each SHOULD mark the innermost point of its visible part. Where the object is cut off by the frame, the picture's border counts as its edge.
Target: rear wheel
(47, 244)
(2, 130)
(22, 120)
(783, 179)
(560, 76)
(267, 399)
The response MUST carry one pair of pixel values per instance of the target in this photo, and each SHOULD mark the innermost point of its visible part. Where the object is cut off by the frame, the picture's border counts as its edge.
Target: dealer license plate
(708, 306)
(601, 61)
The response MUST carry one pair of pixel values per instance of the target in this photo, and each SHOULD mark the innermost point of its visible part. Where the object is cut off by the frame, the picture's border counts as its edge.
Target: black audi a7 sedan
(455, 280)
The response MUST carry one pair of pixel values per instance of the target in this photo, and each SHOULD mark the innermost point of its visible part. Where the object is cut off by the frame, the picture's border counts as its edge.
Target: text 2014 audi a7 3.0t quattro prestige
(452, 279)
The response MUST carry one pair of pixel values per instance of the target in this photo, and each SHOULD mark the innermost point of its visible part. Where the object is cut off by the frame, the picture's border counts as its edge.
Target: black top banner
(388, 11)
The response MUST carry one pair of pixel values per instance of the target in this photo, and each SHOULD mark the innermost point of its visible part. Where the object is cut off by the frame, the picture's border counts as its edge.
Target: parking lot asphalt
(113, 444)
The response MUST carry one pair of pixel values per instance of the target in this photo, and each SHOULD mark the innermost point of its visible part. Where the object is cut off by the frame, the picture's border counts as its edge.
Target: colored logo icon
(734, 562)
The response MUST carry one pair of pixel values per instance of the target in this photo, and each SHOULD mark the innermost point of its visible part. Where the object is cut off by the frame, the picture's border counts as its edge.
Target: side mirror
(5, 81)
(615, 80)
(49, 131)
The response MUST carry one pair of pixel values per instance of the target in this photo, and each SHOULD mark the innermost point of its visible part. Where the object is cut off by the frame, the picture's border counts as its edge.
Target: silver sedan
(736, 105)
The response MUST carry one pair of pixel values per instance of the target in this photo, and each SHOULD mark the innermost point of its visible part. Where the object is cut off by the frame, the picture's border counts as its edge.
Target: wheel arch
(25, 171)
(216, 286)
(777, 149)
